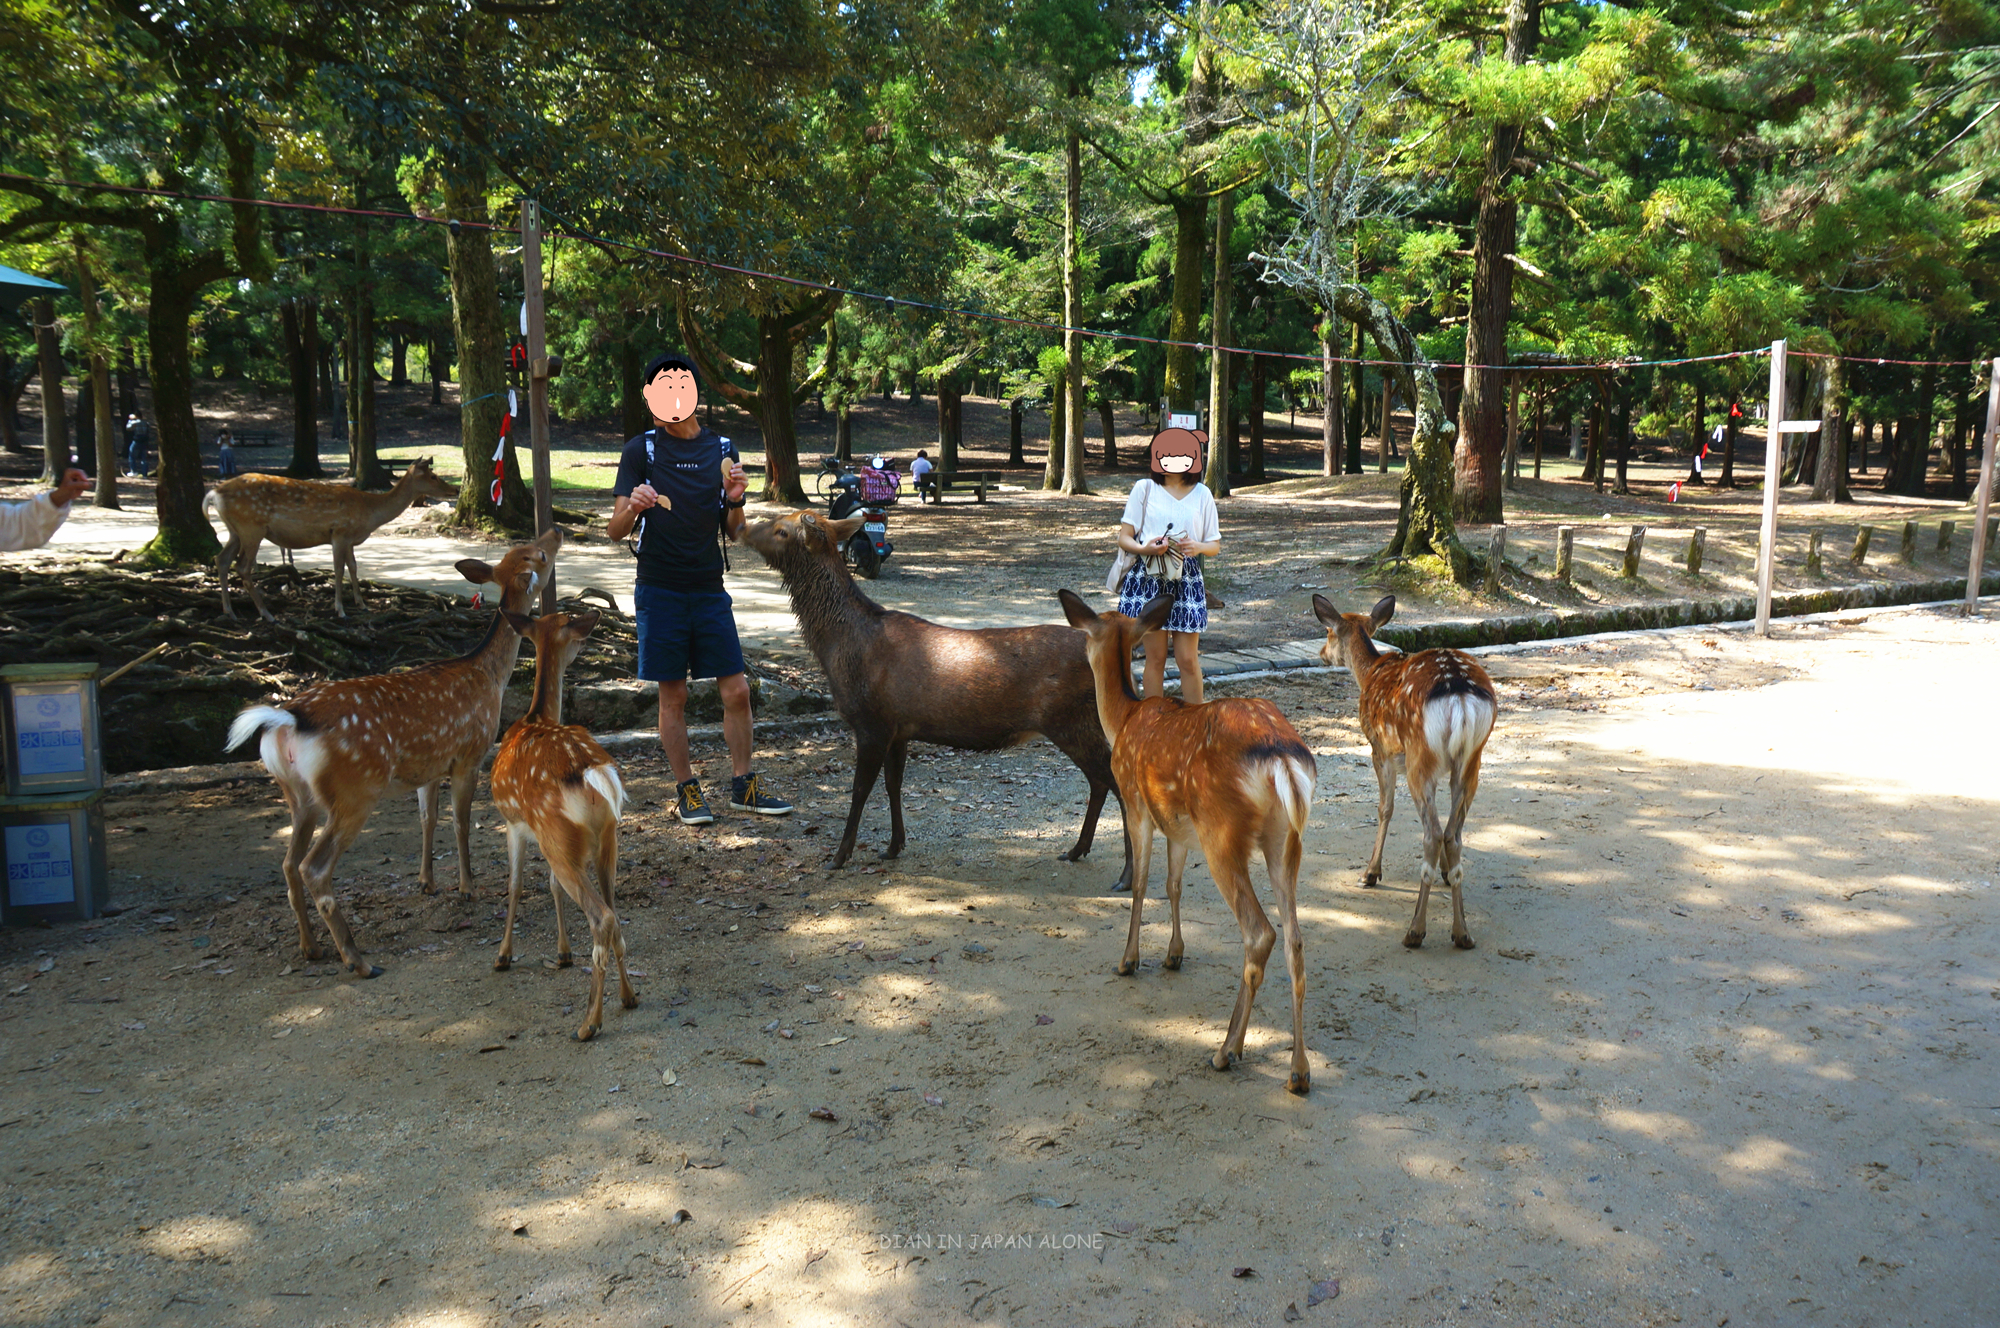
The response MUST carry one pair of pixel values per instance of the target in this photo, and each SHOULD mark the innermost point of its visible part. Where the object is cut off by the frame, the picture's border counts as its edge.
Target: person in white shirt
(920, 472)
(1170, 525)
(29, 525)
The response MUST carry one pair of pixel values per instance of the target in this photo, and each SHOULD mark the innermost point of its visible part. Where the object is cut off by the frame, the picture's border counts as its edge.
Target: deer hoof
(1126, 968)
(1371, 880)
(586, 1033)
(564, 960)
(1123, 887)
(1171, 963)
(1300, 1083)
(629, 1002)
(1463, 942)
(1413, 940)
(1221, 1060)
(312, 954)
(367, 970)
(503, 963)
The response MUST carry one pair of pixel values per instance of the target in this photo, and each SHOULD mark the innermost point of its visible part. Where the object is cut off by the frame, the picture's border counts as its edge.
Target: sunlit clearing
(197, 1237)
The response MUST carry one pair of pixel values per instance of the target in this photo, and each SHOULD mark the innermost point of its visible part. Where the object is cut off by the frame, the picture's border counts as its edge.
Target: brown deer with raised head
(558, 788)
(1427, 714)
(899, 679)
(301, 514)
(1230, 775)
(337, 747)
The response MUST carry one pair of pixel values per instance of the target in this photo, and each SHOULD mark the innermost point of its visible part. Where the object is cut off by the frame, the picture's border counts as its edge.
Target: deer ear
(520, 622)
(1154, 615)
(1074, 609)
(581, 623)
(478, 573)
(842, 531)
(1384, 610)
(1324, 611)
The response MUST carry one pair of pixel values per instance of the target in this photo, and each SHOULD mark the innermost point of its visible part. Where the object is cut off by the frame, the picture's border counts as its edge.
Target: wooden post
(1909, 553)
(1982, 525)
(1862, 534)
(1388, 430)
(1697, 545)
(1541, 403)
(1813, 564)
(1496, 555)
(538, 378)
(1513, 463)
(1565, 547)
(1767, 531)
(1635, 545)
(1944, 535)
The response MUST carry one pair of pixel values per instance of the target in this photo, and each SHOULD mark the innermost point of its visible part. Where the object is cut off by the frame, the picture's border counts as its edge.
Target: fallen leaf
(46, 965)
(823, 1113)
(1043, 1019)
(493, 1046)
(1517, 954)
(833, 1042)
(282, 1033)
(680, 1215)
(669, 1078)
(1243, 1272)
(812, 1257)
(136, 1027)
(751, 1060)
(811, 988)
(933, 1100)
(1292, 1314)
(1322, 1291)
(750, 1110)
(1049, 1201)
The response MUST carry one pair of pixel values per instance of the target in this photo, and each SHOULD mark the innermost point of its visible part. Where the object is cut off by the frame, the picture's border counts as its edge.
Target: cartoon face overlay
(1176, 465)
(672, 395)
(1177, 451)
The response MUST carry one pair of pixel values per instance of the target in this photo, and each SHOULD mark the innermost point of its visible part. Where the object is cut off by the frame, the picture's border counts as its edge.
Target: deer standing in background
(558, 788)
(337, 747)
(300, 514)
(898, 678)
(1428, 714)
(1230, 775)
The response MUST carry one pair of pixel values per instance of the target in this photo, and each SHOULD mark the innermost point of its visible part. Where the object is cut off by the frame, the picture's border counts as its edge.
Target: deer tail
(255, 720)
(1456, 723)
(1292, 773)
(604, 779)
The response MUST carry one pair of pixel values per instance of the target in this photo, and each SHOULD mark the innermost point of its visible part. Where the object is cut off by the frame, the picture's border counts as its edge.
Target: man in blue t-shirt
(681, 486)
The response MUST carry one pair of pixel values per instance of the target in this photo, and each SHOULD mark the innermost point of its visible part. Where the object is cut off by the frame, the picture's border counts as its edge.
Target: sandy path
(1719, 1057)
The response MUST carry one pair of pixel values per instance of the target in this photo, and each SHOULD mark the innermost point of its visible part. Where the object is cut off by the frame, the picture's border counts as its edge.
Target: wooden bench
(255, 438)
(942, 482)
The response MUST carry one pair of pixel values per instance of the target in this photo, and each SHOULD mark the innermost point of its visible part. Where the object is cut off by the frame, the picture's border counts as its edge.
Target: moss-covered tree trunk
(1424, 525)
(105, 438)
(300, 317)
(55, 421)
(482, 373)
(184, 535)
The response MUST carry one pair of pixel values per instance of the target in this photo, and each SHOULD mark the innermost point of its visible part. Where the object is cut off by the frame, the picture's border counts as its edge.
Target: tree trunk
(1106, 413)
(104, 438)
(1351, 406)
(1624, 404)
(399, 359)
(1259, 386)
(1217, 476)
(481, 345)
(1183, 373)
(184, 534)
(948, 393)
(368, 470)
(29, 368)
(1330, 389)
(301, 352)
(1593, 457)
(434, 365)
(1424, 525)
(1014, 457)
(1058, 405)
(633, 416)
(1909, 470)
(1073, 481)
(55, 424)
(777, 408)
(843, 433)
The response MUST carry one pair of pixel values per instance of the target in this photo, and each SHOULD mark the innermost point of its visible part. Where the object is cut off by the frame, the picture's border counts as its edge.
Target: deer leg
(603, 928)
(1140, 827)
(464, 783)
(607, 868)
(1228, 862)
(1464, 783)
(339, 568)
(607, 860)
(868, 756)
(1423, 792)
(427, 817)
(246, 563)
(517, 856)
(224, 562)
(1385, 807)
(892, 780)
(1177, 856)
(354, 579)
(563, 956)
(1096, 767)
(304, 821)
(342, 827)
(1282, 849)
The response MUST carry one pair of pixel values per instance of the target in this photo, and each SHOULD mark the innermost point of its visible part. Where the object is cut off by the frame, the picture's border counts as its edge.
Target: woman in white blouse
(1170, 524)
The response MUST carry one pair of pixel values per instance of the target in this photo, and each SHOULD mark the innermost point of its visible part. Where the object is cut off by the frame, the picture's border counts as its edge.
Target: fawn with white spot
(1231, 775)
(336, 748)
(1427, 714)
(302, 514)
(558, 788)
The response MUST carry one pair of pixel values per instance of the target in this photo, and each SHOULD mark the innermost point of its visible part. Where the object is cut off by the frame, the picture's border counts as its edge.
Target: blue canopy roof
(16, 286)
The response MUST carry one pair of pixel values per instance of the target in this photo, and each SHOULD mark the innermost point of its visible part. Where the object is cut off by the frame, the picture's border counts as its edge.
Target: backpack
(638, 535)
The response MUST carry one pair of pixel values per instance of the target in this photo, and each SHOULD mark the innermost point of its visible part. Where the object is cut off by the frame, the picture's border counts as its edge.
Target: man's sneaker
(691, 807)
(746, 794)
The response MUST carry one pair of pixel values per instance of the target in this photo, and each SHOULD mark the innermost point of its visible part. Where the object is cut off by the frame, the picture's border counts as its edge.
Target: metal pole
(1985, 494)
(538, 378)
(1767, 534)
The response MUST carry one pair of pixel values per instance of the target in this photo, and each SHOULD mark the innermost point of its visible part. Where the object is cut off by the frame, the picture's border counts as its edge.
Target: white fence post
(1767, 534)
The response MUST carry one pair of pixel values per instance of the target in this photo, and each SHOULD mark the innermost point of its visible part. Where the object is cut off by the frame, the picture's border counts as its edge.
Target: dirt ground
(1719, 1057)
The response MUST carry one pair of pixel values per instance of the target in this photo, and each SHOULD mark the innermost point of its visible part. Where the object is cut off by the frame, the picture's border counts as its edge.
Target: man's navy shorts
(685, 634)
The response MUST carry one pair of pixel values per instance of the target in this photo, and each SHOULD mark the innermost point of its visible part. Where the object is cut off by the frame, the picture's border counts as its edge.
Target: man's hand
(74, 484)
(737, 484)
(643, 497)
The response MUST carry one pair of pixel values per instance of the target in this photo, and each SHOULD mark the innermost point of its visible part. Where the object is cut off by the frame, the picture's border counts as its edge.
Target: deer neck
(1362, 656)
(1111, 668)
(547, 705)
(496, 655)
(381, 508)
(831, 610)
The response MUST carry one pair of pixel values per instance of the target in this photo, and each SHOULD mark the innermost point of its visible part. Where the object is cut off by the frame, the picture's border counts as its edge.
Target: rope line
(893, 301)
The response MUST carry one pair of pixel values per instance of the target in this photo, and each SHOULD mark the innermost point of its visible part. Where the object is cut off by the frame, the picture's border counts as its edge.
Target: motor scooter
(870, 491)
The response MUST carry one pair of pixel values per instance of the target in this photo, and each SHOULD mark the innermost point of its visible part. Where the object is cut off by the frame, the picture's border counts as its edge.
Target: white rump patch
(604, 778)
(1456, 726)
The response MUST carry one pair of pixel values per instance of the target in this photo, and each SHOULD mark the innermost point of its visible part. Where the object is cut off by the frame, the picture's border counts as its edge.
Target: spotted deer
(1427, 714)
(301, 514)
(336, 748)
(558, 788)
(1229, 775)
